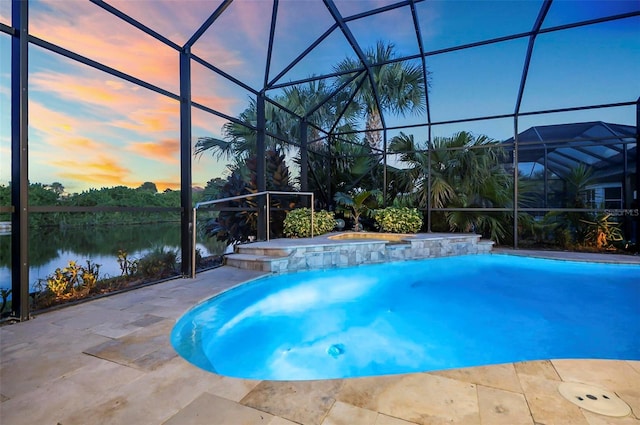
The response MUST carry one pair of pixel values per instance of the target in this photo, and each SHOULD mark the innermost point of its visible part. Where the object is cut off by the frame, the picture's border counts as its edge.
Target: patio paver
(110, 361)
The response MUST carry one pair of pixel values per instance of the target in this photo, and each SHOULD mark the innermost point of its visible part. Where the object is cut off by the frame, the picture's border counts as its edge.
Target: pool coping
(571, 255)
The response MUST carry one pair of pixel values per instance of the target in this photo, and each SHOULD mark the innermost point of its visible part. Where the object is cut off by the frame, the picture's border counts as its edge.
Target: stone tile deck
(110, 361)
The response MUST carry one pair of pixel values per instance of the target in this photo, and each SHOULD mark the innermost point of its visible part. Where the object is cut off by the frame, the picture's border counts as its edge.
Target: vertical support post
(515, 181)
(545, 189)
(186, 219)
(384, 168)
(20, 161)
(636, 191)
(261, 166)
(544, 9)
(329, 176)
(194, 242)
(627, 197)
(304, 158)
(268, 214)
(429, 147)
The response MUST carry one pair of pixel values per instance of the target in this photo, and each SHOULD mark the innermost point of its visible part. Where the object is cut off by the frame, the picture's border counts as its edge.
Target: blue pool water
(415, 316)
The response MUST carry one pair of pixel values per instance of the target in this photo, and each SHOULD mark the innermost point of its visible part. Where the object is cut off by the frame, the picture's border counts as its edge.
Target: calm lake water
(52, 248)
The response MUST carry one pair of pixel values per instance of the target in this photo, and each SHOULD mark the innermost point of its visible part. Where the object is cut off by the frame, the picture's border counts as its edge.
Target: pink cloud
(252, 20)
(80, 161)
(82, 143)
(144, 120)
(86, 144)
(95, 33)
(61, 149)
(87, 29)
(168, 17)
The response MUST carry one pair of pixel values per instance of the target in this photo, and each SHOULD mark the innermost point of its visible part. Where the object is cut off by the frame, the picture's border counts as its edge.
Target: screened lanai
(336, 96)
(609, 148)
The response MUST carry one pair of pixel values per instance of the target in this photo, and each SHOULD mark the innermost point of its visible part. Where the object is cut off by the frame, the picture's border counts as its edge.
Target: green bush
(157, 264)
(398, 219)
(297, 224)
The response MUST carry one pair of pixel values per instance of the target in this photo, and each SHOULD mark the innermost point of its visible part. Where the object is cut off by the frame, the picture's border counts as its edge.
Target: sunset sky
(90, 129)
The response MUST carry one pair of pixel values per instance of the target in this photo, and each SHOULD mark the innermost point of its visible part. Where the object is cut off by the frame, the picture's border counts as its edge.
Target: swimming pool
(415, 316)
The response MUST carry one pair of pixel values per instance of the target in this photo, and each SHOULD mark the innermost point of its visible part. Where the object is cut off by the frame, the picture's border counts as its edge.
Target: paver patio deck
(110, 361)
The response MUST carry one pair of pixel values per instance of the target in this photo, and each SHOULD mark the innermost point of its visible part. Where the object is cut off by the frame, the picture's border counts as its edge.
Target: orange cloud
(63, 149)
(83, 143)
(103, 170)
(163, 150)
(63, 137)
(110, 98)
(124, 105)
(77, 87)
(149, 120)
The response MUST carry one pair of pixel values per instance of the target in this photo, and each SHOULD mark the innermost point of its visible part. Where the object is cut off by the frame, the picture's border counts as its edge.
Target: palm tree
(239, 142)
(339, 160)
(341, 166)
(573, 225)
(465, 171)
(349, 160)
(400, 87)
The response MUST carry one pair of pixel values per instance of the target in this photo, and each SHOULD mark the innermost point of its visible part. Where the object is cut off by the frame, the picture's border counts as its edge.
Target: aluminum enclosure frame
(21, 40)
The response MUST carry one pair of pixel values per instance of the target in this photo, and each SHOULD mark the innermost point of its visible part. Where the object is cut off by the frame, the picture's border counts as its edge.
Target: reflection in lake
(52, 247)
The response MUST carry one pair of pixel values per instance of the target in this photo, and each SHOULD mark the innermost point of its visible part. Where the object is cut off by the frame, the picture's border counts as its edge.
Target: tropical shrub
(238, 219)
(73, 279)
(398, 219)
(297, 224)
(158, 263)
(601, 232)
(128, 266)
(76, 282)
(358, 203)
(4, 293)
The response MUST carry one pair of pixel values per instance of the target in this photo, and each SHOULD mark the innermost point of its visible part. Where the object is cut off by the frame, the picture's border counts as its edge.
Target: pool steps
(287, 255)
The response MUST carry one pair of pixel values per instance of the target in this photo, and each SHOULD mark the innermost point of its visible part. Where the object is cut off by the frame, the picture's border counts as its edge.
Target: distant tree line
(146, 195)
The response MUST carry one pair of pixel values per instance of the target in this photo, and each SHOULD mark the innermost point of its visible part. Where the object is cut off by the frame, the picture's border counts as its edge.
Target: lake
(53, 247)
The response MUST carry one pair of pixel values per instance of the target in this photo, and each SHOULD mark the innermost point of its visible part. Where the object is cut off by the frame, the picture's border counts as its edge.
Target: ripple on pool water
(415, 316)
